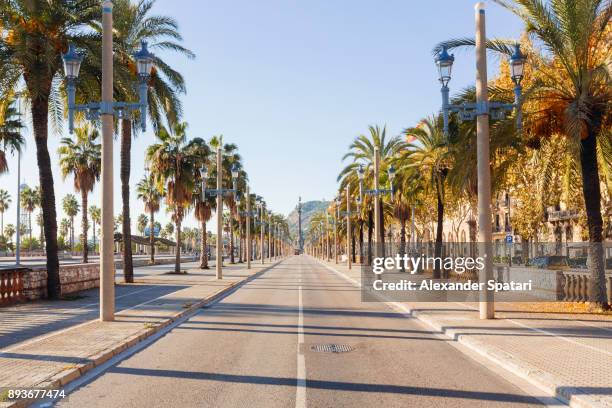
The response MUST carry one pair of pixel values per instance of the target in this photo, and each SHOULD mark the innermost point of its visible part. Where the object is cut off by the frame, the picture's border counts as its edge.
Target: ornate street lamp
(482, 111)
(72, 66)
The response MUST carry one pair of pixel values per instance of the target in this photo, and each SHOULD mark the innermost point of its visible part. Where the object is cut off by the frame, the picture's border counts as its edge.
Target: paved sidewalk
(53, 360)
(566, 355)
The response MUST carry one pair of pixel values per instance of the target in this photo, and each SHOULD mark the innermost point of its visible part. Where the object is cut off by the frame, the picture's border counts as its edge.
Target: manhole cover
(331, 348)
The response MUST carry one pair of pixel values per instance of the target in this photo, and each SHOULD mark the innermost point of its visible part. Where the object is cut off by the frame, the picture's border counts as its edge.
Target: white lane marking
(300, 392)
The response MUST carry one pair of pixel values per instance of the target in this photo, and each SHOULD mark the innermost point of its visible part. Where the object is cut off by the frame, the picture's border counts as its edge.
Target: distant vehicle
(556, 262)
(296, 252)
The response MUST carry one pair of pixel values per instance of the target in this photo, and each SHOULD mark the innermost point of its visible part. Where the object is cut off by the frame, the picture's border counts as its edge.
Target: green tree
(9, 231)
(149, 193)
(429, 153)
(30, 199)
(10, 135)
(5, 201)
(203, 206)
(572, 96)
(82, 158)
(361, 153)
(96, 217)
(132, 25)
(70, 205)
(35, 33)
(173, 167)
(230, 158)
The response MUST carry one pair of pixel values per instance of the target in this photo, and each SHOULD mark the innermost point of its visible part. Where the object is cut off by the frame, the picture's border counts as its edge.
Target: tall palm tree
(29, 201)
(9, 231)
(10, 135)
(429, 154)
(64, 227)
(572, 96)
(141, 225)
(70, 205)
(96, 217)
(82, 158)
(133, 24)
(173, 167)
(203, 206)
(361, 152)
(230, 158)
(5, 201)
(149, 193)
(39, 32)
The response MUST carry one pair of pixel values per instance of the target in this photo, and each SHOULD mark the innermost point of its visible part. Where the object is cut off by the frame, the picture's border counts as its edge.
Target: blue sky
(292, 83)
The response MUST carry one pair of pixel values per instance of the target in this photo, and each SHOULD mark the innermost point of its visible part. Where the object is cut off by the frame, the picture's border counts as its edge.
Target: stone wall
(73, 277)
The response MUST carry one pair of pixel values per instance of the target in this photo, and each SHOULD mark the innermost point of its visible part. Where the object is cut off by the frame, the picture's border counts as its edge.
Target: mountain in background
(308, 209)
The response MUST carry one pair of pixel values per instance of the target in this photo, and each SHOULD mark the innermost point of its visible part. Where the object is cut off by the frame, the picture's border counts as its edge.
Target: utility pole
(248, 228)
(377, 209)
(348, 227)
(107, 263)
(219, 249)
(483, 163)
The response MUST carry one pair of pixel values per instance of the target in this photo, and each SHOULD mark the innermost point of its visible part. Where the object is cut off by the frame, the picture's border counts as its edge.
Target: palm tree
(572, 96)
(203, 206)
(39, 32)
(361, 152)
(10, 135)
(141, 225)
(230, 158)
(9, 231)
(29, 201)
(428, 153)
(173, 167)
(5, 201)
(149, 193)
(133, 24)
(70, 205)
(96, 217)
(64, 227)
(82, 158)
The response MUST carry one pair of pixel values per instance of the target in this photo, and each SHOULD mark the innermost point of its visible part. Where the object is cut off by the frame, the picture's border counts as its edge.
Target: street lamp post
(375, 193)
(248, 214)
(106, 110)
(18, 232)
(219, 192)
(481, 111)
(270, 235)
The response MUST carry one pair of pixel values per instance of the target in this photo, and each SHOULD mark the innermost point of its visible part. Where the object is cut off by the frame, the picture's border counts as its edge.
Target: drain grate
(332, 348)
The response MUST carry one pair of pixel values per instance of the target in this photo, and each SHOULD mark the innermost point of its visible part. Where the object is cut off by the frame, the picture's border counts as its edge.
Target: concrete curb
(66, 376)
(541, 379)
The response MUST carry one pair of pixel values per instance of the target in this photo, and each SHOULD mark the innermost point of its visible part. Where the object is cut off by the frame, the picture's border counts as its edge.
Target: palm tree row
(567, 93)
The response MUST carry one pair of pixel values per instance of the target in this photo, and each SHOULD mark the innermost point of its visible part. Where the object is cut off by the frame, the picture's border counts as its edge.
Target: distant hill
(308, 209)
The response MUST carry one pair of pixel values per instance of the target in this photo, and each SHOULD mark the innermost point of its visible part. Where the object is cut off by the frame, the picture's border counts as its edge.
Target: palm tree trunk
(94, 236)
(204, 249)
(30, 228)
(126, 151)
(592, 201)
(177, 261)
(84, 225)
(72, 234)
(402, 250)
(152, 237)
(2, 224)
(40, 111)
(439, 230)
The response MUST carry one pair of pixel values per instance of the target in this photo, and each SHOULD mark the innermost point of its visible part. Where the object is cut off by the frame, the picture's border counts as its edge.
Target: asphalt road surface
(256, 348)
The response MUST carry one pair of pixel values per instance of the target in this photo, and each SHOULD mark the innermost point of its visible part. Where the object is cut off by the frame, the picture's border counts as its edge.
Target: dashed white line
(300, 392)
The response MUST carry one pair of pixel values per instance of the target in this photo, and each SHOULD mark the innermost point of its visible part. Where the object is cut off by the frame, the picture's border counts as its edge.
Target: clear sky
(293, 82)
